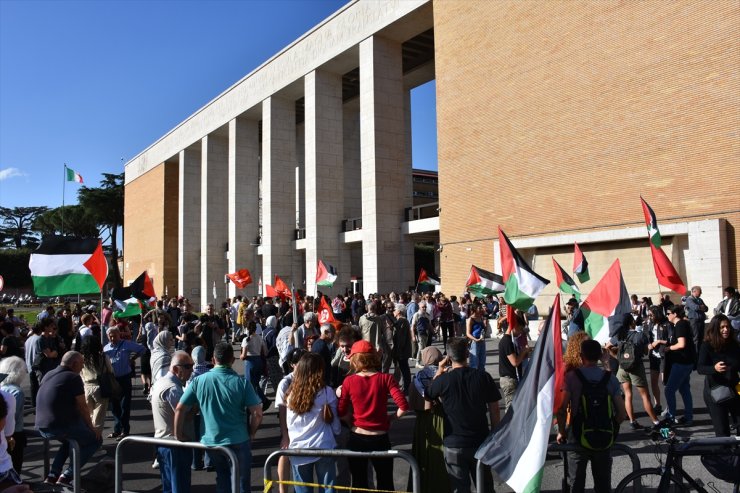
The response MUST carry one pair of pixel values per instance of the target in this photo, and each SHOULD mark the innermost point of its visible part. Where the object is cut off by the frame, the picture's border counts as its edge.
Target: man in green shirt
(225, 400)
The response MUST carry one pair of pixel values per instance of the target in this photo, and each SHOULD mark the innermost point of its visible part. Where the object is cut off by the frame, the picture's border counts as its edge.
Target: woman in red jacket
(366, 391)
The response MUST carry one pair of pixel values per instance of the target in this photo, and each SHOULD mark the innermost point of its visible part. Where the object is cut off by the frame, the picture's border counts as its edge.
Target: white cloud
(10, 173)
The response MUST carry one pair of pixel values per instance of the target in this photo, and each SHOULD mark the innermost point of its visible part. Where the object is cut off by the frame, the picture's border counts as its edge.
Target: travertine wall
(556, 116)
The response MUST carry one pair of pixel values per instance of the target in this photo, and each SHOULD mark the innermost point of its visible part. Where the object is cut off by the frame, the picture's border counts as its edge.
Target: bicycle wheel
(647, 481)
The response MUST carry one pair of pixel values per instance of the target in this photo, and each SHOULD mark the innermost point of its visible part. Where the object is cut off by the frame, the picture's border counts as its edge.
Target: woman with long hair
(680, 357)
(476, 332)
(366, 393)
(658, 331)
(16, 377)
(572, 355)
(310, 424)
(719, 361)
(96, 363)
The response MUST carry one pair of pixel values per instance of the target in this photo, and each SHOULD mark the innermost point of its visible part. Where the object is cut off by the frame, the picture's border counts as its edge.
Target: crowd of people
(332, 382)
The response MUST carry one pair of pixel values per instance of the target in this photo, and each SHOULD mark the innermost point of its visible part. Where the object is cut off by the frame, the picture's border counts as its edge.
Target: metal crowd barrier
(562, 448)
(388, 454)
(74, 448)
(161, 442)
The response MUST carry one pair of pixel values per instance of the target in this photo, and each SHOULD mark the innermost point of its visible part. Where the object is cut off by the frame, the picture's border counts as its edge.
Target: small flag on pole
(481, 282)
(605, 307)
(652, 223)
(580, 265)
(281, 288)
(521, 282)
(424, 278)
(325, 274)
(566, 284)
(72, 175)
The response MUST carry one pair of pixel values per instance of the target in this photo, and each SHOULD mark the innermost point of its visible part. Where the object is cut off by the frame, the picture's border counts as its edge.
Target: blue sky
(89, 83)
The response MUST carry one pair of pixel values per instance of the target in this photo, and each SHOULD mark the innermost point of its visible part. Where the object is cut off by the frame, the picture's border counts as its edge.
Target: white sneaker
(155, 464)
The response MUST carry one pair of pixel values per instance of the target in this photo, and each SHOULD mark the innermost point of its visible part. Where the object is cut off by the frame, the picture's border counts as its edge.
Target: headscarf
(430, 358)
(271, 322)
(161, 354)
(199, 358)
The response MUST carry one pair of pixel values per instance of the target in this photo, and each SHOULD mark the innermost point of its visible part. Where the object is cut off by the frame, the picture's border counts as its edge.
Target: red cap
(361, 346)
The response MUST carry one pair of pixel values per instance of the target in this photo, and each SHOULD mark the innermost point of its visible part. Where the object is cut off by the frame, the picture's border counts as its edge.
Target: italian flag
(606, 305)
(566, 284)
(425, 279)
(72, 175)
(64, 265)
(517, 447)
(326, 275)
(481, 282)
(522, 284)
(652, 224)
(580, 265)
(240, 278)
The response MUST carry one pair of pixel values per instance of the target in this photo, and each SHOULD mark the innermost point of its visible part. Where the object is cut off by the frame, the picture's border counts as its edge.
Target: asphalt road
(139, 475)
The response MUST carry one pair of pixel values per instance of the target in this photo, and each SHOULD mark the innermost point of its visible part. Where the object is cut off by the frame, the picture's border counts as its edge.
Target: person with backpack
(596, 410)
(630, 346)
(421, 328)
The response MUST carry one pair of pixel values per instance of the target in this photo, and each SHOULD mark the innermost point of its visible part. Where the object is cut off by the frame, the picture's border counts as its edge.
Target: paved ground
(139, 475)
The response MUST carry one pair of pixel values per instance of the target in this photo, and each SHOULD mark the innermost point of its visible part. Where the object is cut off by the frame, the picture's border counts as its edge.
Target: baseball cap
(361, 346)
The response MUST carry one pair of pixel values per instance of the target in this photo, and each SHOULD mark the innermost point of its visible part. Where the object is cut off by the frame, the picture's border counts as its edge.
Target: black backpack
(629, 354)
(595, 425)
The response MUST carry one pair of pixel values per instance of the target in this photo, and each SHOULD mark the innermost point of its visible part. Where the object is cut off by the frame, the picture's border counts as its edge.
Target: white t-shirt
(254, 344)
(6, 462)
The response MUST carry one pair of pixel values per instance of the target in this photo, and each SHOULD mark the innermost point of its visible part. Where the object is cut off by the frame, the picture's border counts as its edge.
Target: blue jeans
(77, 431)
(198, 461)
(223, 470)
(174, 467)
(326, 473)
(478, 355)
(679, 380)
(252, 371)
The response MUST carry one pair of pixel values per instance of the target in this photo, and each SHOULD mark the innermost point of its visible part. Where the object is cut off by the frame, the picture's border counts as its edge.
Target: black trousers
(383, 467)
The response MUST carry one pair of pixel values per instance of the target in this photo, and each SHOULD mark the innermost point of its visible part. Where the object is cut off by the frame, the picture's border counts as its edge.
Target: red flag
(326, 315)
(282, 289)
(665, 272)
(240, 278)
(270, 292)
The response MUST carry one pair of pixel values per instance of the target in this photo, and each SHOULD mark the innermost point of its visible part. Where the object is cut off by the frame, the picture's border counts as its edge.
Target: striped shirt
(120, 356)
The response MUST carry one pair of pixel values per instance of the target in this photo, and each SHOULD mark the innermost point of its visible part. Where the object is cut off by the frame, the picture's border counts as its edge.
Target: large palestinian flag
(651, 221)
(64, 265)
(606, 305)
(481, 282)
(517, 447)
(566, 284)
(326, 275)
(580, 265)
(425, 279)
(522, 284)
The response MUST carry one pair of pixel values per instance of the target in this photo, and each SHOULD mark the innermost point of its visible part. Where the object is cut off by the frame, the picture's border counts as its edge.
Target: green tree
(72, 220)
(104, 205)
(17, 225)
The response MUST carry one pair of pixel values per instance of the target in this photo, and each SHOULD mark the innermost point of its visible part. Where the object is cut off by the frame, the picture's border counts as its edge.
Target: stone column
(352, 186)
(324, 175)
(278, 188)
(214, 217)
(243, 201)
(188, 231)
(384, 166)
(706, 260)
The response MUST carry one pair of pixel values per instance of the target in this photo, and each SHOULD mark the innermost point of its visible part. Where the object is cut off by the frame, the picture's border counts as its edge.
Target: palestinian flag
(325, 274)
(64, 265)
(72, 175)
(521, 282)
(282, 289)
(141, 289)
(606, 305)
(652, 224)
(240, 278)
(481, 282)
(517, 447)
(131, 307)
(665, 272)
(580, 265)
(566, 284)
(425, 279)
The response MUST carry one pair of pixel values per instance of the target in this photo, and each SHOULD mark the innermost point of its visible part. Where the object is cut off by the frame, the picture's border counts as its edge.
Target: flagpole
(64, 189)
(295, 306)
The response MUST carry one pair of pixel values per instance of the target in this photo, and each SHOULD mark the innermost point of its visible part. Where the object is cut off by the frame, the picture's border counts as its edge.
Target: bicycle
(669, 476)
